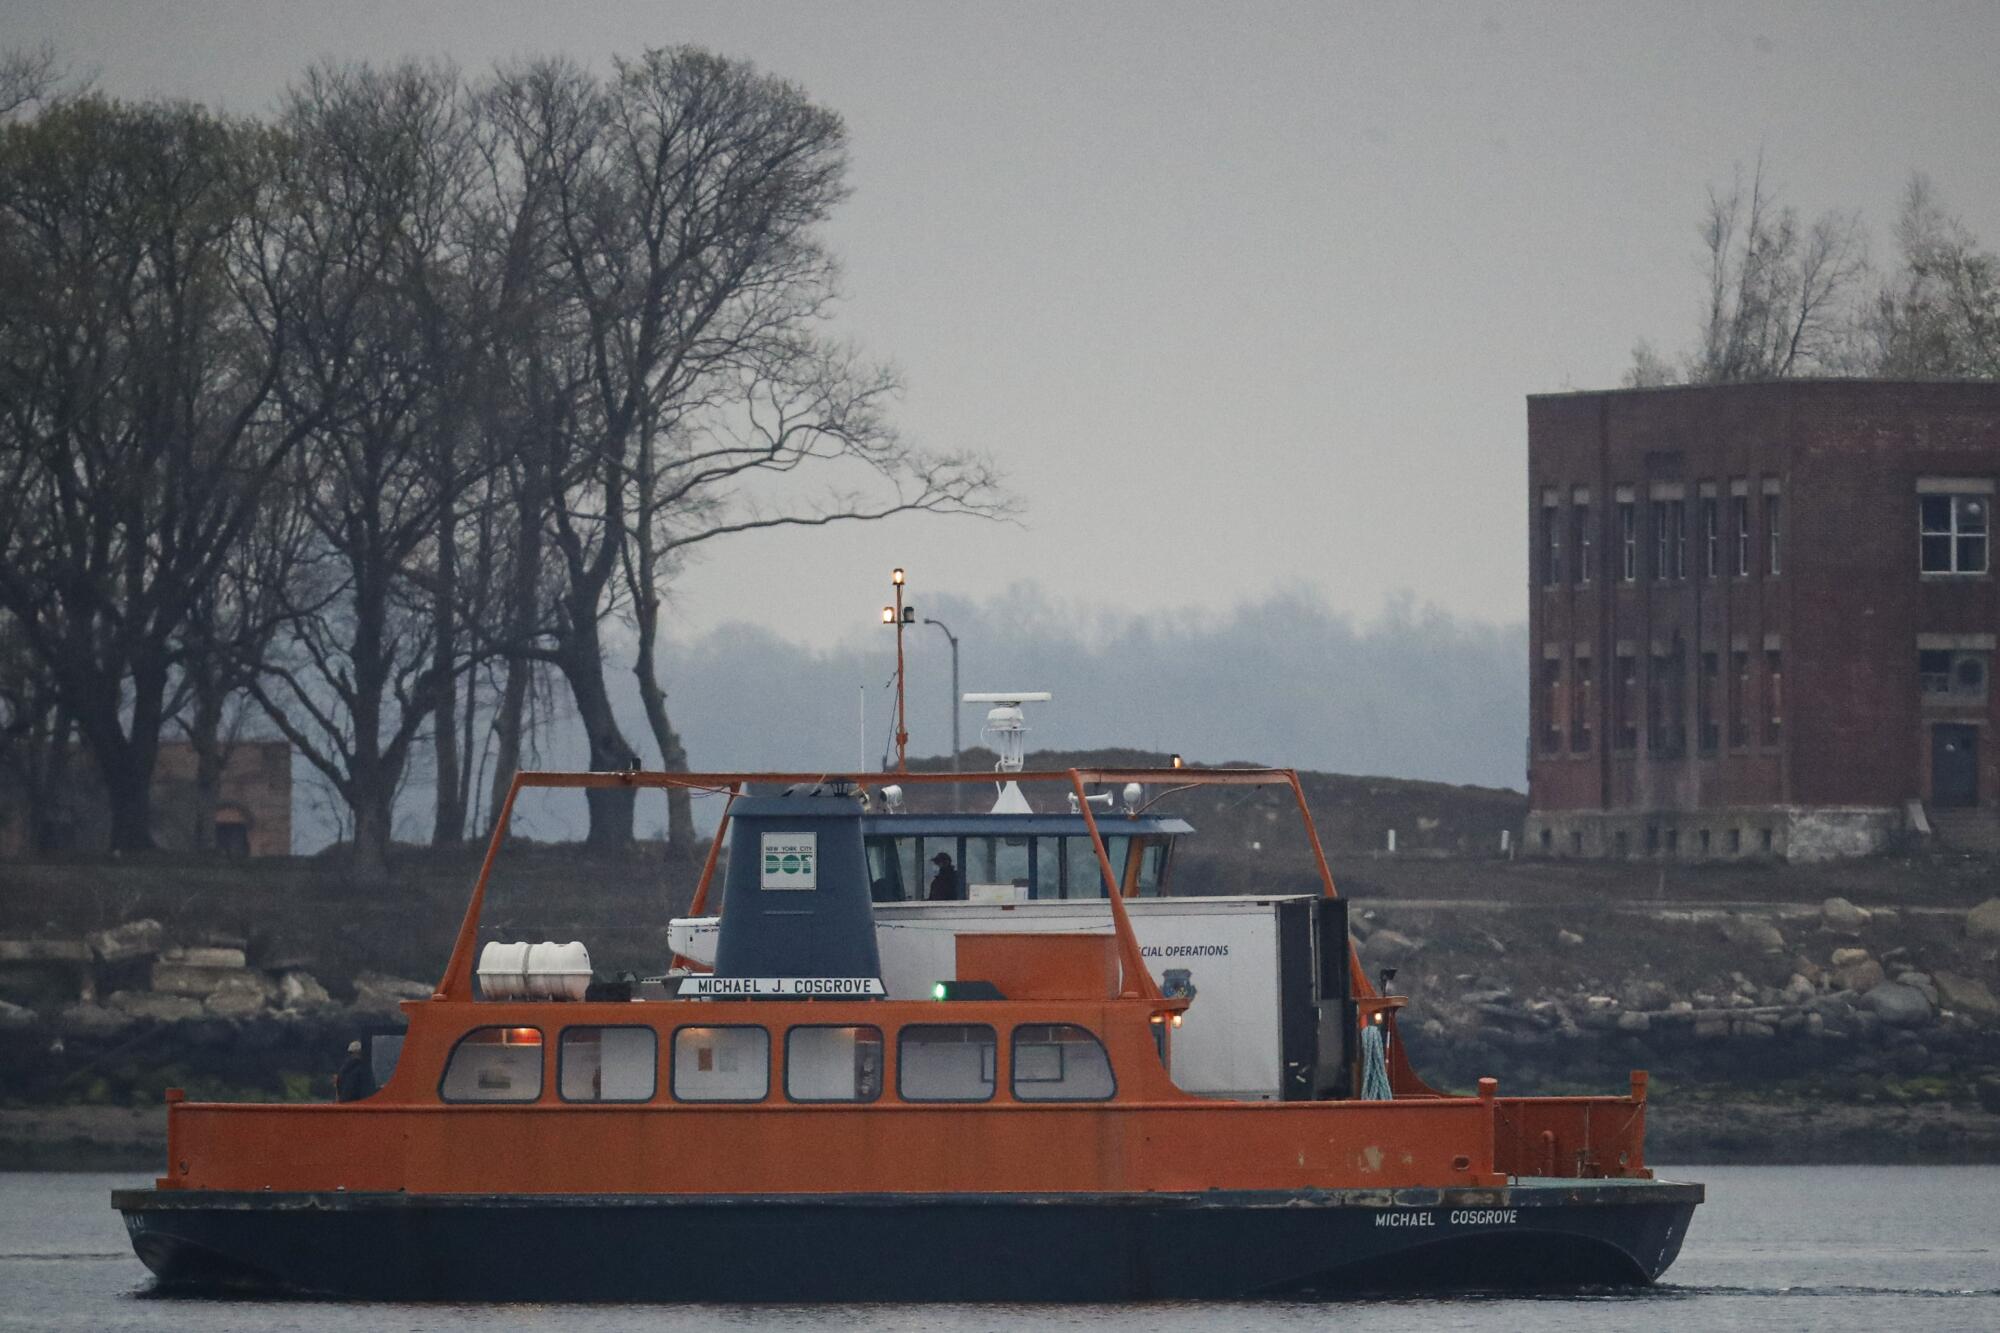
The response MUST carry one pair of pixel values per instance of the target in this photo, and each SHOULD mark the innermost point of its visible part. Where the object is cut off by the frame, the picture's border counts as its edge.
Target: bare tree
(1781, 294)
(378, 161)
(685, 199)
(29, 77)
(144, 312)
(1938, 315)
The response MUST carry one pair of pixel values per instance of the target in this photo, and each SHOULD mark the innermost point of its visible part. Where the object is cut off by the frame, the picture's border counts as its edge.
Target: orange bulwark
(1048, 1078)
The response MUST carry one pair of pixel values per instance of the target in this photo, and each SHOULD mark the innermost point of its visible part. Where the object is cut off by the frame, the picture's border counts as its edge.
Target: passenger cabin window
(1060, 1062)
(608, 1064)
(833, 1064)
(722, 1064)
(945, 1062)
(494, 1065)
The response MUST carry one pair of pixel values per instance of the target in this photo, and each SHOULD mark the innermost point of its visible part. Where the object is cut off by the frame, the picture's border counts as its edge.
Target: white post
(1506, 841)
(1392, 842)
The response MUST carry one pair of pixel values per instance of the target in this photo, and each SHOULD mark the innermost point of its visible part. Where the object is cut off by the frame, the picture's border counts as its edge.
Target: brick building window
(1552, 702)
(1739, 514)
(1739, 699)
(1953, 533)
(1711, 537)
(1580, 542)
(1771, 534)
(1551, 553)
(1705, 689)
(1628, 542)
(1774, 696)
(1677, 529)
(1666, 729)
(1662, 551)
(1581, 685)
(1952, 676)
(1625, 703)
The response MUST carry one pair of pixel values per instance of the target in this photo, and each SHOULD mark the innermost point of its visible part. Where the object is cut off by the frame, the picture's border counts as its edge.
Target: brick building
(1762, 618)
(253, 816)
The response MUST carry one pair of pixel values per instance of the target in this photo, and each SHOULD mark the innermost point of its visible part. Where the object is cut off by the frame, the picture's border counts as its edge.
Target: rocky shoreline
(1834, 1035)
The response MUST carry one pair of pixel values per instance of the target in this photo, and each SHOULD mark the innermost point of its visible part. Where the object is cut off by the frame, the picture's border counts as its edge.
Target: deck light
(1177, 761)
(937, 991)
(1177, 1020)
(896, 576)
(888, 615)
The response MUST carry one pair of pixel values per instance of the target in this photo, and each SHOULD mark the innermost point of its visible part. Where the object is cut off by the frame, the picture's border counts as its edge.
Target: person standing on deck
(944, 884)
(355, 1079)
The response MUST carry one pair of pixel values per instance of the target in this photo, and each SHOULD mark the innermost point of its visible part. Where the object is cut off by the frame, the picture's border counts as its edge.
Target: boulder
(134, 939)
(301, 991)
(235, 1002)
(44, 951)
(1807, 968)
(155, 1005)
(1842, 917)
(375, 993)
(1983, 922)
(95, 1020)
(1756, 1030)
(1645, 993)
(1799, 990)
(206, 956)
(1630, 1022)
(1862, 976)
(195, 980)
(1849, 957)
(1897, 1005)
(1384, 946)
(1753, 932)
(1966, 995)
(1921, 981)
(1569, 939)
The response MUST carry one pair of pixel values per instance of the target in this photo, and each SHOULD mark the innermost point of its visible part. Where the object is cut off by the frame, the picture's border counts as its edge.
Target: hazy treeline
(1409, 692)
(366, 419)
(1786, 297)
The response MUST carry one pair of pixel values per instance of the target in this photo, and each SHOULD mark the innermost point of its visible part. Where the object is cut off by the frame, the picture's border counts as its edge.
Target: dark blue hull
(1538, 1235)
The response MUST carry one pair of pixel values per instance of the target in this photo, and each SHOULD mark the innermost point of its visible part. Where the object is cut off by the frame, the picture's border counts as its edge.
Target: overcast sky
(1244, 298)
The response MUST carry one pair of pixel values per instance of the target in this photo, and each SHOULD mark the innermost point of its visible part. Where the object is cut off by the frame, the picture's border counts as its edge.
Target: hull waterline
(1216, 1245)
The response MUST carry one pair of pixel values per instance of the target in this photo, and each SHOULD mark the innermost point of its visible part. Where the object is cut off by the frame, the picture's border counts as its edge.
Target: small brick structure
(253, 814)
(1762, 617)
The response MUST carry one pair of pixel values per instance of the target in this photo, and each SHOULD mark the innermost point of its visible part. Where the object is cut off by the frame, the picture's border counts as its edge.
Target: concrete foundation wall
(1740, 833)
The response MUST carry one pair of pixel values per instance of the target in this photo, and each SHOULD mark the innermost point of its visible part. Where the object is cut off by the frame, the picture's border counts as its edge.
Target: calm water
(1821, 1248)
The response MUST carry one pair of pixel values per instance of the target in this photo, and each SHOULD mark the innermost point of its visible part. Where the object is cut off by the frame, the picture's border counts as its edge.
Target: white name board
(790, 861)
(775, 988)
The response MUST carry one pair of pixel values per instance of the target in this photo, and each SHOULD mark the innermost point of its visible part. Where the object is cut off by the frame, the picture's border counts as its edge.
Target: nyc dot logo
(790, 861)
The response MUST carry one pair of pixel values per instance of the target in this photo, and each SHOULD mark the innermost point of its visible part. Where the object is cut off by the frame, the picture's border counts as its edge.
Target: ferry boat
(1067, 1082)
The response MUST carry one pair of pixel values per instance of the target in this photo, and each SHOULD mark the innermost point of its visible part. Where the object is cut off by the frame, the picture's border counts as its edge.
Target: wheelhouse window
(722, 1064)
(494, 1064)
(1060, 1062)
(609, 1064)
(946, 1062)
(1739, 698)
(833, 1064)
(1954, 533)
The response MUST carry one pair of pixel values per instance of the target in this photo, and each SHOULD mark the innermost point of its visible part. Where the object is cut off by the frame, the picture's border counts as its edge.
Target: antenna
(1007, 728)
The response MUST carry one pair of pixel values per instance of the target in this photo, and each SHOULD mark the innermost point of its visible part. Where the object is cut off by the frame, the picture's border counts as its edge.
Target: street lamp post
(955, 789)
